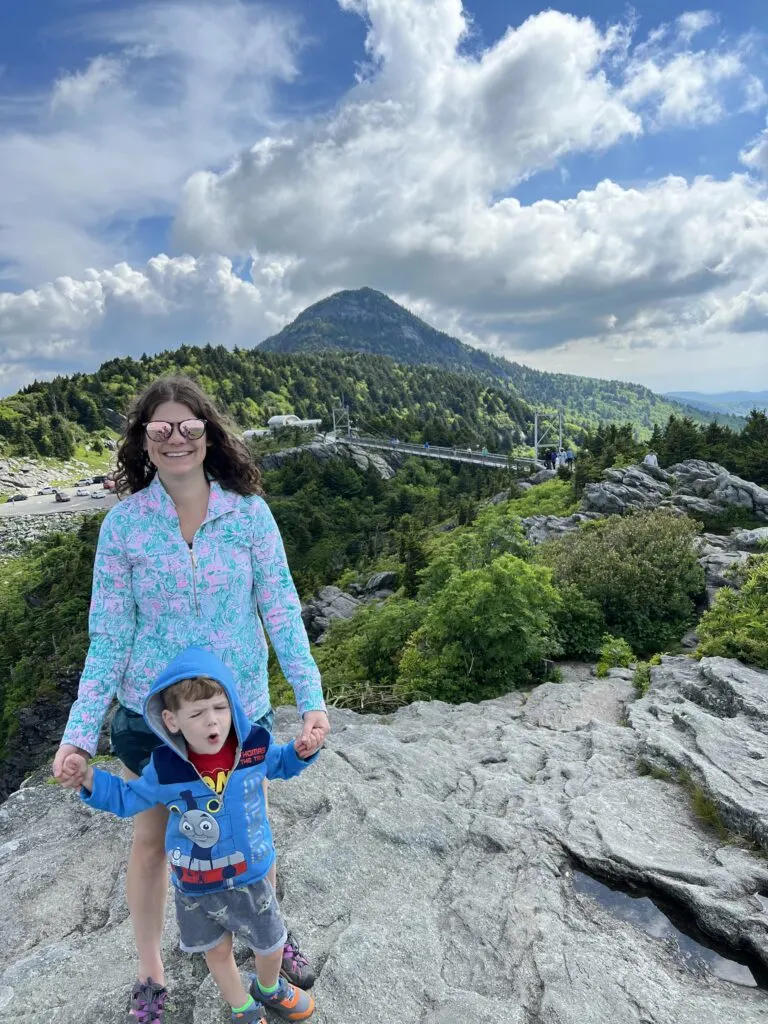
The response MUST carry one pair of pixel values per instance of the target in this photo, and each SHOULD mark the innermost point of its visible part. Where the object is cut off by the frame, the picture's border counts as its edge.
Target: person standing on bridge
(191, 557)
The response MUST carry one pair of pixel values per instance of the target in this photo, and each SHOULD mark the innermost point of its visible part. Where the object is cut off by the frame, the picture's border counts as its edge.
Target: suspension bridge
(492, 460)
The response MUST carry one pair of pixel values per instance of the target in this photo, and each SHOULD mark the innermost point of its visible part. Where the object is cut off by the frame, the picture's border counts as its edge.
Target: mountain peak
(366, 320)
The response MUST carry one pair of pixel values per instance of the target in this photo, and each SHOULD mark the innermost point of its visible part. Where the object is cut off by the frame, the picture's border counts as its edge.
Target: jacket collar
(157, 499)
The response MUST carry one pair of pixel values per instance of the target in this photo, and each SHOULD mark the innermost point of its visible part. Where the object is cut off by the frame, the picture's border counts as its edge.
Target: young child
(209, 774)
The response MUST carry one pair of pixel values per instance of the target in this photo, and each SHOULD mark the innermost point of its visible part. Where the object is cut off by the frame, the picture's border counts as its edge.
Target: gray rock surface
(385, 464)
(694, 487)
(427, 864)
(26, 475)
(542, 528)
(542, 476)
(328, 604)
(18, 531)
(333, 603)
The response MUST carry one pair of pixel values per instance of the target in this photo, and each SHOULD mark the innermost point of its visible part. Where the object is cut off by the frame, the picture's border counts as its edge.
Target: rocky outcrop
(715, 489)
(37, 730)
(332, 603)
(428, 860)
(18, 531)
(636, 487)
(710, 721)
(384, 463)
(542, 528)
(694, 487)
(328, 604)
(26, 475)
(721, 558)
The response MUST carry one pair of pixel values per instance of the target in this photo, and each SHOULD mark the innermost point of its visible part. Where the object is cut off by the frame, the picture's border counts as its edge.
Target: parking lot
(46, 504)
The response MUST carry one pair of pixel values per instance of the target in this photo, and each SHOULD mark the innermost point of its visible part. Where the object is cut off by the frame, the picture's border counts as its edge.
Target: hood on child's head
(195, 661)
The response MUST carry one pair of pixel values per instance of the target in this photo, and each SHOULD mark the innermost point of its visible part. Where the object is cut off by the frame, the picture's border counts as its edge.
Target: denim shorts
(133, 741)
(251, 912)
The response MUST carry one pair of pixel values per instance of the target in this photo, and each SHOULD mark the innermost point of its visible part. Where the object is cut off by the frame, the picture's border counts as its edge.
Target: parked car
(83, 483)
(46, 490)
(97, 494)
(82, 492)
(61, 496)
(18, 497)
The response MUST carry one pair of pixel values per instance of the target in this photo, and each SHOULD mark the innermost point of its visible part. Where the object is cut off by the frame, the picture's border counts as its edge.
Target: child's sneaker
(253, 1015)
(295, 967)
(148, 1002)
(289, 1002)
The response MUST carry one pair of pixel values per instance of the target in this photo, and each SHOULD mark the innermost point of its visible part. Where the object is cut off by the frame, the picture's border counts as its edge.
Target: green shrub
(736, 626)
(641, 570)
(494, 532)
(642, 678)
(359, 658)
(580, 624)
(486, 632)
(44, 599)
(615, 652)
(553, 498)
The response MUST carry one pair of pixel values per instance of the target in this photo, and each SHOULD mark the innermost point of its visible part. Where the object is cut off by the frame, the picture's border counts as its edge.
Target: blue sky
(651, 135)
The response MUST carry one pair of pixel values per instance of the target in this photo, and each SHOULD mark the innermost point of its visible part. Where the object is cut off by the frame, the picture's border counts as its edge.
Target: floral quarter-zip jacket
(154, 596)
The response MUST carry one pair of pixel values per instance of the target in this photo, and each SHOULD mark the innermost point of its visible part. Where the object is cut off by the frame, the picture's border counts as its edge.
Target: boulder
(542, 528)
(637, 487)
(542, 476)
(751, 540)
(381, 582)
(427, 862)
(330, 603)
(694, 487)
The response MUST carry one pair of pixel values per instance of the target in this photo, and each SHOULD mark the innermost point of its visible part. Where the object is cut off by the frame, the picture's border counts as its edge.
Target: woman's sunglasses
(162, 430)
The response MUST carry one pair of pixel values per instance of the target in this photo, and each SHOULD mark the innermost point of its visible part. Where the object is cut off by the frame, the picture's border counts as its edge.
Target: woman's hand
(316, 728)
(77, 772)
(69, 765)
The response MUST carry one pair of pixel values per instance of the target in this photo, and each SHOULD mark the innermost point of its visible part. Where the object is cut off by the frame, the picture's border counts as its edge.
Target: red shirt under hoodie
(215, 768)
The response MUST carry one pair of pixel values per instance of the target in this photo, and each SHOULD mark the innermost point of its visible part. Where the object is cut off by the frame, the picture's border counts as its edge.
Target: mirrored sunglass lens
(192, 429)
(157, 430)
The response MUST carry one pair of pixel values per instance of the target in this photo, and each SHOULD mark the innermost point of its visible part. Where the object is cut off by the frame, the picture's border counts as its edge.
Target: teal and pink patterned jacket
(153, 597)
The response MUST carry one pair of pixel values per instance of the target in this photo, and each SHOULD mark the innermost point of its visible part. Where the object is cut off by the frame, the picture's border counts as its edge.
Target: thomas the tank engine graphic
(200, 868)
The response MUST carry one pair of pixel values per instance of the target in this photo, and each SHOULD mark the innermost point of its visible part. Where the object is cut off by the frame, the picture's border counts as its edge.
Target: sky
(579, 188)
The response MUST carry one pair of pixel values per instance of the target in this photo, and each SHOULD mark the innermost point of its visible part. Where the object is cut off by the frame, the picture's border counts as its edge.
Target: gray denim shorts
(251, 912)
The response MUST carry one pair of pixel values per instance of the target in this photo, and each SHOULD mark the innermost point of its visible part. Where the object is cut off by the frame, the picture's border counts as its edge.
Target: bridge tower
(544, 426)
(340, 414)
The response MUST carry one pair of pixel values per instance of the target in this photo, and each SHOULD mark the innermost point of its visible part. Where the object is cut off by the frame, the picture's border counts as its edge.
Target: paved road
(46, 504)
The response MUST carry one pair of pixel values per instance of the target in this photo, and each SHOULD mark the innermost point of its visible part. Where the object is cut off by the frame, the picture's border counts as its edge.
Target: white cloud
(676, 86)
(407, 185)
(691, 23)
(755, 155)
(79, 91)
(180, 86)
(71, 324)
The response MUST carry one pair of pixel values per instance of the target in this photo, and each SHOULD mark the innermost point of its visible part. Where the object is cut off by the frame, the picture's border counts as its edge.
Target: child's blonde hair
(187, 690)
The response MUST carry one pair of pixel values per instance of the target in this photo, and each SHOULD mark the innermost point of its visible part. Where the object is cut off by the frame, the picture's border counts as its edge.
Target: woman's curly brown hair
(227, 458)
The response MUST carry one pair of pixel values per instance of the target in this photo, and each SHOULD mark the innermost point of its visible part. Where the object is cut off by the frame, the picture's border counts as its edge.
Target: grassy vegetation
(553, 498)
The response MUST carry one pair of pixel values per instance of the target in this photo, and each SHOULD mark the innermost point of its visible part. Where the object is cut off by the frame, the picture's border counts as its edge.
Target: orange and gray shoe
(289, 1002)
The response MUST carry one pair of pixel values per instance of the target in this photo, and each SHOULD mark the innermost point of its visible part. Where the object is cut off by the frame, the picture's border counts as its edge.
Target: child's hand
(76, 772)
(305, 748)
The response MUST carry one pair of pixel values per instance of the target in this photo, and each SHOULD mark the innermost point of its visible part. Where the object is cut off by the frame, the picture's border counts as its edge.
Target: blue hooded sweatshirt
(214, 841)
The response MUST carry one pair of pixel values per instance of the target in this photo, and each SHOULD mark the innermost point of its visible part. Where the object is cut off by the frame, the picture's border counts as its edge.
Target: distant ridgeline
(396, 374)
(365, 320)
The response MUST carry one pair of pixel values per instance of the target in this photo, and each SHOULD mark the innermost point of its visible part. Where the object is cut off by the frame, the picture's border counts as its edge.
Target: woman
(192, 556)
